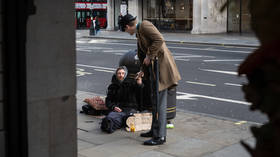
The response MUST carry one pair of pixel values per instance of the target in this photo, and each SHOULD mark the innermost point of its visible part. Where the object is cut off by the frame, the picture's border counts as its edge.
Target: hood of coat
(114, 77)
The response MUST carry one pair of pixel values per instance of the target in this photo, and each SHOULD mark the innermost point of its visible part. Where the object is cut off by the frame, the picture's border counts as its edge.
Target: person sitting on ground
(121, 100)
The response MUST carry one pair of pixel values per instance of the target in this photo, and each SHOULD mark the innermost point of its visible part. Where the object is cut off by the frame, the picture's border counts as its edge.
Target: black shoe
(155, 141)
(147, 134)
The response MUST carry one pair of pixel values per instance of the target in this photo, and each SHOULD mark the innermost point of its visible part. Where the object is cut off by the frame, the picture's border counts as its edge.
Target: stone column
(196, 17)
(133, 8)
(51, 80)
(207, 17)
(139, 6)
(216, 21)
(110, 15)
(204, 16)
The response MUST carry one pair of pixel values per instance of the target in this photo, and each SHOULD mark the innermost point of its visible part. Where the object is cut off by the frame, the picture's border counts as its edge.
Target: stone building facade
(195, 16)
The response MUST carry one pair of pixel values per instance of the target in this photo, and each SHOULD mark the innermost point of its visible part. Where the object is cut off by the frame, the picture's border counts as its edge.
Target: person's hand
(147, 60)
(117, 109)
(139, 76)
(139, 80)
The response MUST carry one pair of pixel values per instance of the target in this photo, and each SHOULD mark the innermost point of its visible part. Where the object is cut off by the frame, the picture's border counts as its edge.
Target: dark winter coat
(97, 24)
(123, 94)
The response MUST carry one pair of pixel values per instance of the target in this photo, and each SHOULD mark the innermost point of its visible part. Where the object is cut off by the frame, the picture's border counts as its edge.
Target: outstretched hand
(139, 76)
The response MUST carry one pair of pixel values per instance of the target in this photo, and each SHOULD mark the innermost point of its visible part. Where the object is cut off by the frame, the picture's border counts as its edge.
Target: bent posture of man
(151, 45)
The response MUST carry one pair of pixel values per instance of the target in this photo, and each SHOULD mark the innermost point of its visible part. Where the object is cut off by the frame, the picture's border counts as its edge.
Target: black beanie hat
(125, 20)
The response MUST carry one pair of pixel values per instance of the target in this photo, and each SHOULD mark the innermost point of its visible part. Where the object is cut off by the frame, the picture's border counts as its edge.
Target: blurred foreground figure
(262, 69)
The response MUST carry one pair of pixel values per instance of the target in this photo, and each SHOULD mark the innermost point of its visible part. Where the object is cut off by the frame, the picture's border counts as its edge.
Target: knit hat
(125, 20)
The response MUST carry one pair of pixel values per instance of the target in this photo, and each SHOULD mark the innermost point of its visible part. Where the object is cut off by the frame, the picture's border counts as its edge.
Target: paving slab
(153, 154)
(79, 155)
(189, 147)
(84, 145)
(97, 137)
(226, 136)
(125, 147)
(89, 123)
(232, 151)
(213, 130)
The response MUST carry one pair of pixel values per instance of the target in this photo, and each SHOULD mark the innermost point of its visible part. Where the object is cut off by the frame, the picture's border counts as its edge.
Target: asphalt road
(209, 82)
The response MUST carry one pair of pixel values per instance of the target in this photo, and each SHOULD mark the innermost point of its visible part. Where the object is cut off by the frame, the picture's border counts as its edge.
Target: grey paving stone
(79, 155)
(232, 151)
(152, 154)
(209, 129)
(97, 137)
(84, 145)
(119, 148)
(189, 147)
(226, 137)
(89, 123)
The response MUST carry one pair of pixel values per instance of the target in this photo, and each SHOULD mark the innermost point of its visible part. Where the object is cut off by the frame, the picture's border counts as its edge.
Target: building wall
(135, 9)
(113, 12)
(207, 17)
(217, 21)
(2, 130)
(196, 17)
(51, 80)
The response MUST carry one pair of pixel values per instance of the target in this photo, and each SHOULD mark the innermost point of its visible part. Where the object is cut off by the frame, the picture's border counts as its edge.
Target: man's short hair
(126, 20)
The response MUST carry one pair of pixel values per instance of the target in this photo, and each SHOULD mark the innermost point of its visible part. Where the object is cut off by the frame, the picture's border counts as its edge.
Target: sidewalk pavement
(194, 135)
(246, 40)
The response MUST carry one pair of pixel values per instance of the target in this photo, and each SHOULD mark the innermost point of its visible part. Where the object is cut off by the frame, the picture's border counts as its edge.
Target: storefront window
(153, 14)
(88, 9)
(169, 15)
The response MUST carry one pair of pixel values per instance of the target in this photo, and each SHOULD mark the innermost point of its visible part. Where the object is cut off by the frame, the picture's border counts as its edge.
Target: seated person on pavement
(121, 100)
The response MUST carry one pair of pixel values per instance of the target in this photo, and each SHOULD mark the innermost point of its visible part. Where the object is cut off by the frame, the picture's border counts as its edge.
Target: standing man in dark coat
(119, 19)
(151, 45)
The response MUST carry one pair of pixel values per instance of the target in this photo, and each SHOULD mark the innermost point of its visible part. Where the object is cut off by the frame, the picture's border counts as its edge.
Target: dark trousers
(115, 120)
(159, 126)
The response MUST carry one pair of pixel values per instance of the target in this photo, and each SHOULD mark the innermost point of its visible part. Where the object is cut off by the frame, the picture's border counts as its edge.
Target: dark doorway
(239, 18)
